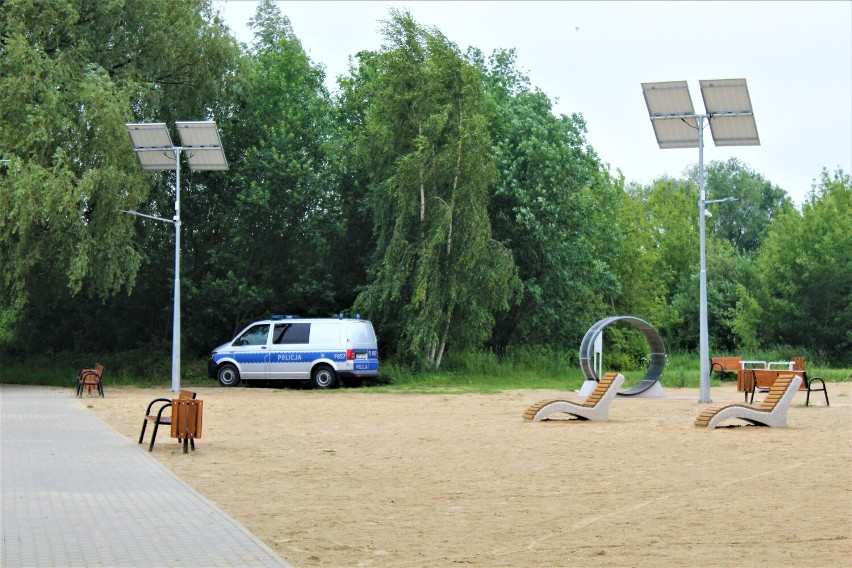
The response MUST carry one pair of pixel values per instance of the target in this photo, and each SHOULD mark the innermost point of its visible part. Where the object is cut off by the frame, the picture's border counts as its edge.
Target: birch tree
(437, 276)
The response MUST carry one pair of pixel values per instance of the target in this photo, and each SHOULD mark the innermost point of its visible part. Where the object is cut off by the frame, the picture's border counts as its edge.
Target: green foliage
(71, 75)
(663, 258)
(437, 276)
(743, 222)
(462, 372)
(437, 194)
(804, 293)
(260, 237)
(551, 205)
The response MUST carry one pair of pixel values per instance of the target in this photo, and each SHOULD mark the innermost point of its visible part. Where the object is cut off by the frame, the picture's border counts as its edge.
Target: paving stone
(74, 492)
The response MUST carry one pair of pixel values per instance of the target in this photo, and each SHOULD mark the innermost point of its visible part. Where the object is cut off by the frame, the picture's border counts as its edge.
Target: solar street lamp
(676, 125)
(203, 149)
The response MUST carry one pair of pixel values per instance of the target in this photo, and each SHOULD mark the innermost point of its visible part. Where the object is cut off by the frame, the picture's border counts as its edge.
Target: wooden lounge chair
(771, 412)
(595, 407)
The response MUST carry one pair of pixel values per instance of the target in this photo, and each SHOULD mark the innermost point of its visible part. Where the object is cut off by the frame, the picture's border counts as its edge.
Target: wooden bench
(726, 365)
(158, 418)
(90, 379)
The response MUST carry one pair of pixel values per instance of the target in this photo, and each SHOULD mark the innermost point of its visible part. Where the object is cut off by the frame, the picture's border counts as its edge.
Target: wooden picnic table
(764, 378)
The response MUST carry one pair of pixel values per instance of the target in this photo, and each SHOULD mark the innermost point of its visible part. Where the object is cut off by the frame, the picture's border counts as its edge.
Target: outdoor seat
(158, 418)
(186, 420)
(799, 365)
(771, 412)
(90, 379)
(724, 366)
(595, 407)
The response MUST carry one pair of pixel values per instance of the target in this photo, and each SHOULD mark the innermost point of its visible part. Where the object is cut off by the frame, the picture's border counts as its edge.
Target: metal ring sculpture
(655, 342)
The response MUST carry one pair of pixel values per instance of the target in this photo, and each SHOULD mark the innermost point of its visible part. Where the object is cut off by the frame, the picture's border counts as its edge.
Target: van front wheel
(324, 378)
(228, 376)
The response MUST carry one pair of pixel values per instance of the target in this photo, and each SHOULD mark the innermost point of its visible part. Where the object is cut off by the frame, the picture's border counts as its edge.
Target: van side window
(290, 333)
(255, 335)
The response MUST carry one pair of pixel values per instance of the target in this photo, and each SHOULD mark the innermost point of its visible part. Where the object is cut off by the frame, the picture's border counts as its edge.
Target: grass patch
(473, 372)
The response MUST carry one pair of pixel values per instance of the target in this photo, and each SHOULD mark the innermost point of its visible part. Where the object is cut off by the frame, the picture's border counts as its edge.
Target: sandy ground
(355, 478)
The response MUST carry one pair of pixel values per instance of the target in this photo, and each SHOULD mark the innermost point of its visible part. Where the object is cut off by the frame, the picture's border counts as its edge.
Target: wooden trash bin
(186, 421)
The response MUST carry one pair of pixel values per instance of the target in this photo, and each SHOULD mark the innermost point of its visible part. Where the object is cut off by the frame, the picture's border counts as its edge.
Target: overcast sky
(592, 57)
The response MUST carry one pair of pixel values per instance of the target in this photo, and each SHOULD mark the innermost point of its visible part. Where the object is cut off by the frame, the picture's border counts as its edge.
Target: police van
(322, 350)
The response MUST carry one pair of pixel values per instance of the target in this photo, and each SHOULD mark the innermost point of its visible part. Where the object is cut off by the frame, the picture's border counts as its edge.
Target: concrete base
(588, 387)
(656, 391)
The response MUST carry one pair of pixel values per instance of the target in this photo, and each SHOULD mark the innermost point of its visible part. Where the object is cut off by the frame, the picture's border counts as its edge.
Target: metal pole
(704, 343)
(176, 315)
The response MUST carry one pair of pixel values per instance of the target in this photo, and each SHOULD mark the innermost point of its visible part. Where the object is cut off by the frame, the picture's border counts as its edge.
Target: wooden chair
(158, 417)
(771, 412)
(90, 379)
(186, 420)
(595, 407)
(799, 365)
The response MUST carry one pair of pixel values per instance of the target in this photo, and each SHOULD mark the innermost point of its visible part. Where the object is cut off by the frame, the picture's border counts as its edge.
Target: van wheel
(324, 378)
(228, 376)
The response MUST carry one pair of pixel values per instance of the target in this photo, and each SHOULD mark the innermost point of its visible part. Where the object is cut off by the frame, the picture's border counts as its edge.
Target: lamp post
(154, 148)
(676, 125)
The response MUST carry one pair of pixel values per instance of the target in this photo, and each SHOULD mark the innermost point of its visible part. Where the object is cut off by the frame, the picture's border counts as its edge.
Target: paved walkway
(77, 493)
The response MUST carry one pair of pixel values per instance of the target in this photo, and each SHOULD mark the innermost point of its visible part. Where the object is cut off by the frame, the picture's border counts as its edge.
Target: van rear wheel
(228, 376)
(324, 377)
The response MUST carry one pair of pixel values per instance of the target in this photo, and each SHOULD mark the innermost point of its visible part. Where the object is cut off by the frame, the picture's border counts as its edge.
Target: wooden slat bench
(726, 365)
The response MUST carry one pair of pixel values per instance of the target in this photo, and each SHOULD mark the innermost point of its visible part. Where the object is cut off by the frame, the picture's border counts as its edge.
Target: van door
(289, 358)
(251, 352)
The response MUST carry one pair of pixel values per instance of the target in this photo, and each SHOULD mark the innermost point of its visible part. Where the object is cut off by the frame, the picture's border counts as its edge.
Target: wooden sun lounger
(595, 407)
(771, 412)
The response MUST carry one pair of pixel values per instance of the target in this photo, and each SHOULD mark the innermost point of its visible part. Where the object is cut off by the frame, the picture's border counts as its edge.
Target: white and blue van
(322, 350)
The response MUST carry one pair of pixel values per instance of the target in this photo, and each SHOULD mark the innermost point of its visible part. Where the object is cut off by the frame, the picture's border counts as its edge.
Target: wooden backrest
(726, 364)
(91, 377)
(779, 387)
(186, 418)
(186, 394)
(798, 363)
(600, 390)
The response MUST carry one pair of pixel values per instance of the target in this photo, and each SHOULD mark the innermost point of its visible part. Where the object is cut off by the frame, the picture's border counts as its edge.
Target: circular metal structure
(655, 342)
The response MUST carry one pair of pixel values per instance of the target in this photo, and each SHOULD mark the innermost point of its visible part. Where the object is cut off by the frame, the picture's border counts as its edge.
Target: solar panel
(672, 114)
(153, 145)
(202, 145)
(730, 112)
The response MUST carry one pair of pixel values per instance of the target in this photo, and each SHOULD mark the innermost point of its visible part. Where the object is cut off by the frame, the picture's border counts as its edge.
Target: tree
(261, 235)
(71, 75)
(743, 222)
(437, 275)
(804, 291)
(551, 205)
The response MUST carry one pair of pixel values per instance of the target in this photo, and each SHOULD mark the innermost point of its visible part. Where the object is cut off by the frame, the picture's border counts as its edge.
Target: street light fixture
(154, 148)
(676, 125)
